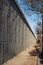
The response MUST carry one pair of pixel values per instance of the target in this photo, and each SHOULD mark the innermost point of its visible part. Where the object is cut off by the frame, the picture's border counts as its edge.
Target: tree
(35, 5)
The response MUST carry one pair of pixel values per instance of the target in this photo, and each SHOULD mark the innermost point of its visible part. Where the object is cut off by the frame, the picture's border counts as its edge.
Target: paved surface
(24, 58)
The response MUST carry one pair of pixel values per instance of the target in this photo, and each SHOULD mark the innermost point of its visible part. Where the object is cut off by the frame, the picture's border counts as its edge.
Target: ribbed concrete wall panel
(1, 3)
(1, 43)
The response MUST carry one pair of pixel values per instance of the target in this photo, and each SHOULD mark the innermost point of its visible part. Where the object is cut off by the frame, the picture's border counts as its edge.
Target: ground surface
(24, 58)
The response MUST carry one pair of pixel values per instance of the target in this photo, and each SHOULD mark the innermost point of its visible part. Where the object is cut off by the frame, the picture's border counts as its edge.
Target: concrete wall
(15, 35)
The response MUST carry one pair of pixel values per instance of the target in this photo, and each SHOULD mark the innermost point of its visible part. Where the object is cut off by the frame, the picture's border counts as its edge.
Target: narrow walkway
(24, 58)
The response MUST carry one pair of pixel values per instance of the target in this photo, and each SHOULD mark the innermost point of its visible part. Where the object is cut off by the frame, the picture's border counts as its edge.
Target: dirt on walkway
(26, 57)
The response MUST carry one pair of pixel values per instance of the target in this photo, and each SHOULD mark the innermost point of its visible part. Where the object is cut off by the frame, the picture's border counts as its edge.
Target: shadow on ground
(33, 53)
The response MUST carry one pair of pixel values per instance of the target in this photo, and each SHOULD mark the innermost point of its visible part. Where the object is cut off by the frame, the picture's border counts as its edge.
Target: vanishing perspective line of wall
(15, 35)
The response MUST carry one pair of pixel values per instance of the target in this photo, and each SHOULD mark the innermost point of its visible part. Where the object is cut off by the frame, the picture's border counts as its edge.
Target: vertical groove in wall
(1, 23)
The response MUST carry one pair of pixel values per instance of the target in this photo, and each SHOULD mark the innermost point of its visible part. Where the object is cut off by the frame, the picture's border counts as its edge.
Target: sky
(31, 19)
